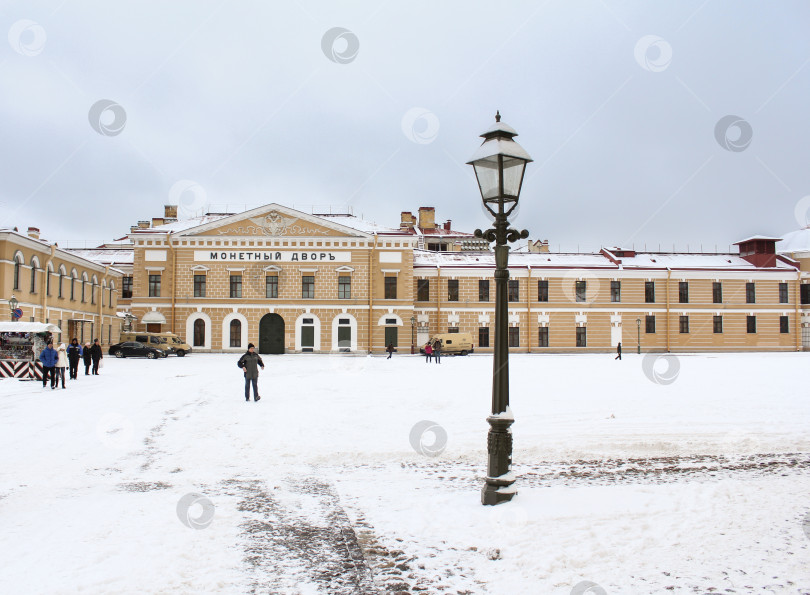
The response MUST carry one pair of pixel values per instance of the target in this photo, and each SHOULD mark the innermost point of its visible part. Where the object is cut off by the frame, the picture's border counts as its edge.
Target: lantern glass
(13, 303)
(490, 170)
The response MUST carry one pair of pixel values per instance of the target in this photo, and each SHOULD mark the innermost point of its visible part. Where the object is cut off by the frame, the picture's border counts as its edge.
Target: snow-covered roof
(751, 238)
(184, 224)
(795, 241)
(106, 256)
(644, 260)
(359, 224)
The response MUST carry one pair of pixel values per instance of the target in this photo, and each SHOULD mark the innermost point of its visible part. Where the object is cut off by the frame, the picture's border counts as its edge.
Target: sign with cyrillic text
(270, 256)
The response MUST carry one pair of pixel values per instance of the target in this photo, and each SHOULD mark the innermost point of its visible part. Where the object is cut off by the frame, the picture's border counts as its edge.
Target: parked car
(453, 343)
(176, 344)
(136, 349)
(152, 339)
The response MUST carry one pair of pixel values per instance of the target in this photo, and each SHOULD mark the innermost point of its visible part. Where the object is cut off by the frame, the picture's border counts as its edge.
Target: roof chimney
(143, 224)
(760, 251)
(538, 246)
(406, 220)
(170, 211)
(33, 232)
(157, 221)
(427, 217)
(447, 225)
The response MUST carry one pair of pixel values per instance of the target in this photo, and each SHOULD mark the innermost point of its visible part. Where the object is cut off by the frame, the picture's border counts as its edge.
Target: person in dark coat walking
(250, 363)
(437, 351)
(74, 354)
(618, 352)
(390, 349)
(96, 355)
(48, 357)
(87, 358)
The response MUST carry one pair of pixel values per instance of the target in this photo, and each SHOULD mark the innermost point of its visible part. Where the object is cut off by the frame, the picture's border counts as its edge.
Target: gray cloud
(242, 100)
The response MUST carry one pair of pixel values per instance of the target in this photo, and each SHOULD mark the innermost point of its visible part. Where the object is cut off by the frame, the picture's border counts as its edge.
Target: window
(199, 331)
(452, 329)
(717, 292)
(750, 293)
(112, 289)
(236, 333)
(649, 292)
(805, 293)
(783, 293)
(542, 336)
(61, 276)
(199, 285)
(73, 287)
(683, 292)
(126, 288)
(308, 287)
(717, 324)
(483, 336)
(271, 286)
(423, 290)
(581, 290)
(154, 287)
(649, 324)
(582, 336)
(390, 288)
(48, 281)
(542, 290)
(452, 290)
(83, 283)
(615, 291)
(751, 324)
(514, 336)
(683, 324)
(236, 286)
(92, 292)
(17, 265)
(33, 276)
(345, 287)
(783, 324)
(514, 290)
(483, 291)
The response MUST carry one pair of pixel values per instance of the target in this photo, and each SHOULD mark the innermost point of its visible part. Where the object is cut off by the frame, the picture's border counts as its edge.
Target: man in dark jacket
(390, 349)
(96, 355)
(74, 354)
(618, 352)
(437, 351)
(250, 363)
(48, 358)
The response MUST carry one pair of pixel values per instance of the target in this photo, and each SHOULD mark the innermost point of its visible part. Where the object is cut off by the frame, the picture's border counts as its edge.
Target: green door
(344, 338)
(391, 336)
(307, 338)
(271, 334)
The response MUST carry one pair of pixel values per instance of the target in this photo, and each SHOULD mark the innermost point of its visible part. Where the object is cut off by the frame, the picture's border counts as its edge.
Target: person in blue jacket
(48, 358)
(74, 354)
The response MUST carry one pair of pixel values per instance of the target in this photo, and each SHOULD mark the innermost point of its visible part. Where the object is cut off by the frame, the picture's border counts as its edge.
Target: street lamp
(499, 165)
(13, 305)
(413, 322)
(638, 340)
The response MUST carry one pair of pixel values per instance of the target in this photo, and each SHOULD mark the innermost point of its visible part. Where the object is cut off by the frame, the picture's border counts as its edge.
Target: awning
(28, 327)
(153, 317)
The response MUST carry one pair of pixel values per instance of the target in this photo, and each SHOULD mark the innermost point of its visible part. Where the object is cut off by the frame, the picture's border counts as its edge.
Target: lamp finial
(497, 115)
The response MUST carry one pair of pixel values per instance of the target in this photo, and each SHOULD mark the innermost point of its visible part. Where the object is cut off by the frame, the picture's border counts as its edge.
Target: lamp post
(13, 306)
(499, 165)
(638, 340)
(413, 322)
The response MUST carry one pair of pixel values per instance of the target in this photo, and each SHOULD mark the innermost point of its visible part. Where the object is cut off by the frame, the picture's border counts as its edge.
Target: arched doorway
(271, 334)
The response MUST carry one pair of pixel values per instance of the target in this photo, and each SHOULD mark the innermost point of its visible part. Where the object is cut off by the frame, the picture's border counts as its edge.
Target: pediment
(273, 220)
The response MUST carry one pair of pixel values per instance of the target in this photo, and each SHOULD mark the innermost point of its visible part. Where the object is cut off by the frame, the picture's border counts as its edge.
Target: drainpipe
(438, 297)
(798, 312)
(100, 307)
(669, 276)
(371, 293)
(45, 286)
(174, 279)
(529, 309)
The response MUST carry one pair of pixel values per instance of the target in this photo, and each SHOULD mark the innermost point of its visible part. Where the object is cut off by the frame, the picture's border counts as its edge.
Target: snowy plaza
(684, 475)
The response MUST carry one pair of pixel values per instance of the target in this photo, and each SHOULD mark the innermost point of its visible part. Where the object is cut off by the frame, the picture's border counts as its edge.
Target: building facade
(56, 286)
(295, 282)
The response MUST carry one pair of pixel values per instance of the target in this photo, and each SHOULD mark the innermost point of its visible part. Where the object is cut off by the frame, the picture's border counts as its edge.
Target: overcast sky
(622, 105)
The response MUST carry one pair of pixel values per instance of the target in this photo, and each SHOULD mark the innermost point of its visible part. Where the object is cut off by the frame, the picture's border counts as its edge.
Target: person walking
(86, 355)
(96, 355)
(390, 349)
(48, 358)
(437, 351)
(74, 354)
(428, 352)
(618, 352)
(250, 363)
(61, 364)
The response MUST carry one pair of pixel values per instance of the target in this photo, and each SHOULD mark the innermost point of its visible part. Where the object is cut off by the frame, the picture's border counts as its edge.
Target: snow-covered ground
(696, 484)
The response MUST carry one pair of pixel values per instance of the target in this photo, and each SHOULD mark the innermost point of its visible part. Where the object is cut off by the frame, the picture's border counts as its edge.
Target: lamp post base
(498, 487)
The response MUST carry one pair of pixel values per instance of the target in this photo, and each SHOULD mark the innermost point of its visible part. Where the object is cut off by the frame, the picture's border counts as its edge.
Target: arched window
(112, 288)
(73, 285)
(101, 291)
(93, 284)
(84, 281)
(236, 333)
(199, 333)
(17, 265)
(48, 279)
(34, 265)
(61, 277)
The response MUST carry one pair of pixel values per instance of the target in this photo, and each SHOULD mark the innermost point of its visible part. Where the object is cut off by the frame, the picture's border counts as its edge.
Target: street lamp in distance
(500, 164)
(413, 345)
(13, 306)
(638, 340)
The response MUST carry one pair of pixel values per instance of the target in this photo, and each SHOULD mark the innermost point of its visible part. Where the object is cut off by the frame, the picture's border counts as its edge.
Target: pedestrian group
(54, 361)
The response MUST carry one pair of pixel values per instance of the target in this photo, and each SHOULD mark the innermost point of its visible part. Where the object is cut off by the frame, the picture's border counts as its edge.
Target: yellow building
(56, 286)
(295, 282)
